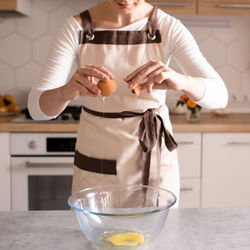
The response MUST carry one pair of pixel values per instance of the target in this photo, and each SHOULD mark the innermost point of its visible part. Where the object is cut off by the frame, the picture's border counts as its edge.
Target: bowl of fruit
(8, 106)
(122, 217)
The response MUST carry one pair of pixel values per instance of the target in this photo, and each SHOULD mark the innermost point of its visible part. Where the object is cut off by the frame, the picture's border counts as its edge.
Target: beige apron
(107, 149)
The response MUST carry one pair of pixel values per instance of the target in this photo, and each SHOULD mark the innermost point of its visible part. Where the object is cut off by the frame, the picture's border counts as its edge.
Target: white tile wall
(215, 51)
(33, 26)
(7, 26)
(40, 48)
(15, 50)
(57, 17)
(25, 41)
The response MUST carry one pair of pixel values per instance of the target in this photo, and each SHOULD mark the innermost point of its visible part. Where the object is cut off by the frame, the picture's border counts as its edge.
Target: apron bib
(107, 149)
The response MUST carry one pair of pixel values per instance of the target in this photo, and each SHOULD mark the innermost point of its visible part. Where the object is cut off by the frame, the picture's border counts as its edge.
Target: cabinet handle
(233, 5)
(185, 189)
(47, 164)
(171, 4)
(185, 142)
(242, 143)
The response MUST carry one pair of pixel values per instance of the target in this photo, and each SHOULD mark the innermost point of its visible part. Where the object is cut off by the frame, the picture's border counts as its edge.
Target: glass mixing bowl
(121, 216)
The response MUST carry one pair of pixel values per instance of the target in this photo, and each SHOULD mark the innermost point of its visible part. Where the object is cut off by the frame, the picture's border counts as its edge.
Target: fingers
(91, 79)
(85, 91)
(156, 78)
(86, 86)
(83, 79)
(162, 76)
(136, 72)
(146, 75)
(164, 85)
(95, 71)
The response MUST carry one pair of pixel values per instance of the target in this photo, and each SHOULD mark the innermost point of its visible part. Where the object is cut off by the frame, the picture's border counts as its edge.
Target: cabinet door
(189, 154)
(8, 4)
(4, 172)
(224, 7)
(189, 193)
(176, 6)
(226, 170)
(189, 157)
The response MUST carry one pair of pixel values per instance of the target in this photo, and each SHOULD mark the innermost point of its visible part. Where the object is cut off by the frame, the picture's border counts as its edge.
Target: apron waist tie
(151, 130)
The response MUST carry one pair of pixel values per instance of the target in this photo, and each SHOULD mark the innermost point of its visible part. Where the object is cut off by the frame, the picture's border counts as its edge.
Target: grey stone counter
(185, 229)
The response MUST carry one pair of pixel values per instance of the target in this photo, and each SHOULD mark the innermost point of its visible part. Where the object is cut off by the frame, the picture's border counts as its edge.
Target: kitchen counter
(208, 123)
(185, 229)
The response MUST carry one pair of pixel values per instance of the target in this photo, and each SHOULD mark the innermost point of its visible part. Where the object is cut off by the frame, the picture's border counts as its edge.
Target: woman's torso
(121, 52)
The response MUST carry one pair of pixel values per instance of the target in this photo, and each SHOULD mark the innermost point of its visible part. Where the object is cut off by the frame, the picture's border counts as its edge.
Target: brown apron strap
(124, 114)
(151, 130)
(87, 26)
(151, 34)
(152, 25)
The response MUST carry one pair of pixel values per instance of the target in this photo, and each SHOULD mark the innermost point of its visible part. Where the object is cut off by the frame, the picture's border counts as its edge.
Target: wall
(24, 44)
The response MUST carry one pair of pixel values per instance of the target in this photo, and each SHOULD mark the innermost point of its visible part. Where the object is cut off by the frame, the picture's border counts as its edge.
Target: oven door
(41, 183)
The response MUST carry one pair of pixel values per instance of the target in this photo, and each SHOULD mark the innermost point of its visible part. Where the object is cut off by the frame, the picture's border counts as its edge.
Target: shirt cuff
(34, 106)
(212, 98)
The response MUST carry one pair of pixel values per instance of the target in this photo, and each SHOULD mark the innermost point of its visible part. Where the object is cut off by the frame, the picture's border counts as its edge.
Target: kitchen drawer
(224, 7)
(189, 154)
(190, 193)
(226, 170)
(176, 6)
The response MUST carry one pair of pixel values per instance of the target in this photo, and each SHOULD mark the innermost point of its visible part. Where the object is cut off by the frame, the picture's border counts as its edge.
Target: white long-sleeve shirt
(178, 44)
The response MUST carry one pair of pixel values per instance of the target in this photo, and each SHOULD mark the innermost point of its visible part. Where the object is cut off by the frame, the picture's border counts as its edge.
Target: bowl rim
(160, 209)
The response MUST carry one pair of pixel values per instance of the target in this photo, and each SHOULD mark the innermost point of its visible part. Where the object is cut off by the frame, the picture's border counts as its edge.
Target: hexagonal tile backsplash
(25, 41)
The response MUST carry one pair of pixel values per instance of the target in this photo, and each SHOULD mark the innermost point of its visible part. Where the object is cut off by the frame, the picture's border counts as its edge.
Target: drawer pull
(185, 189)
(231, 5)
(47, 164)
(170, 4)
(239, 143)
(185, 142)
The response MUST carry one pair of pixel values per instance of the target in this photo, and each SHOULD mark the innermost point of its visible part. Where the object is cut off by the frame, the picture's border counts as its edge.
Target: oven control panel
(42, 143)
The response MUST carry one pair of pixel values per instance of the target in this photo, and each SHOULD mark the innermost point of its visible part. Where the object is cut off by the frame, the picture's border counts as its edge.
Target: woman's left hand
(156, 75)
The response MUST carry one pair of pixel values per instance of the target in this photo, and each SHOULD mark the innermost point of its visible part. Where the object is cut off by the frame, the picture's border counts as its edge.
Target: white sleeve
(57, 68)
(186, 53)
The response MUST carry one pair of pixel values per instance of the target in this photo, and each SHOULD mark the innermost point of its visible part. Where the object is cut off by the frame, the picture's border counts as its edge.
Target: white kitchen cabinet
(226, 170)
(189, 156)
(189, 152)
(5, 172)
(190, 193)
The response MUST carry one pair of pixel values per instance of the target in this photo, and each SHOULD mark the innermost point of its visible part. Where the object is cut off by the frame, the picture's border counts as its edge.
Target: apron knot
(151, 129)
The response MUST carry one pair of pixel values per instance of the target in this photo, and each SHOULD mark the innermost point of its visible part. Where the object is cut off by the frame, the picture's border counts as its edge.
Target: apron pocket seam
(101, 166)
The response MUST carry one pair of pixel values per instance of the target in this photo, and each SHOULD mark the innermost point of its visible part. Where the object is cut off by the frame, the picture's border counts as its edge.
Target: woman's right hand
(83, 83)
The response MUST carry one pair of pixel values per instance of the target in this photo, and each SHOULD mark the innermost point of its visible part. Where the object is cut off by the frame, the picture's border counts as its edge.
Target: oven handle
(30, 164)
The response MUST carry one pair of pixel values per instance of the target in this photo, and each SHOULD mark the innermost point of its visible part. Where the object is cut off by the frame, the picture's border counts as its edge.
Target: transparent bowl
(122, 216)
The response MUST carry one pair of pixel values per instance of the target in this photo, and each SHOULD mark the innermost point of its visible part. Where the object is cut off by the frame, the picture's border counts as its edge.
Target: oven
(41, 170)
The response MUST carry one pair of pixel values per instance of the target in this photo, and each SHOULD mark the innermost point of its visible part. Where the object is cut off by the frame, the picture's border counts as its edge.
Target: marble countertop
(185, 229)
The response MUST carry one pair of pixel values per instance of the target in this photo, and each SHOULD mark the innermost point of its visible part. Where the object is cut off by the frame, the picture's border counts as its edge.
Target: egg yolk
(126, 239)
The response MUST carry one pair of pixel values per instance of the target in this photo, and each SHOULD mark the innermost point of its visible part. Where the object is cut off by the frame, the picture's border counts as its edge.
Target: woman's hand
(156, 75)
(83, 83)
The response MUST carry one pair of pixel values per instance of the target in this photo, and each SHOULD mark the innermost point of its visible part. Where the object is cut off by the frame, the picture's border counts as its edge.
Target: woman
(131, 42)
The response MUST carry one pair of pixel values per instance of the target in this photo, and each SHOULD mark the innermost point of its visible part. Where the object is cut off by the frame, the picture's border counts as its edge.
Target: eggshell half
(108, 87)
(137, 90)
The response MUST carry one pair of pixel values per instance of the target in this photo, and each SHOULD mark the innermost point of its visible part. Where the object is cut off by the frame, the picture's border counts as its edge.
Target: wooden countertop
(208, 123)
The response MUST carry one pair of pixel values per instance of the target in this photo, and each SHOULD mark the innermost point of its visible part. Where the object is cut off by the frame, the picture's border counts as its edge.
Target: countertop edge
(209, 123)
